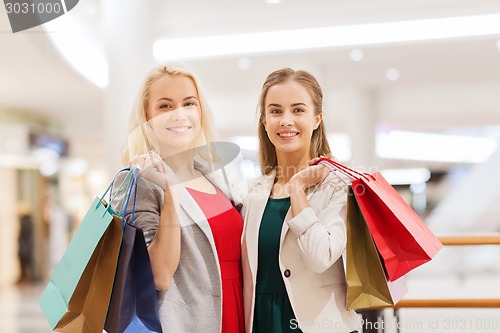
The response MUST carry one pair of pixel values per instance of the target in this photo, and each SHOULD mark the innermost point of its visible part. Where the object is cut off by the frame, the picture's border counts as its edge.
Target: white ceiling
(35, 79)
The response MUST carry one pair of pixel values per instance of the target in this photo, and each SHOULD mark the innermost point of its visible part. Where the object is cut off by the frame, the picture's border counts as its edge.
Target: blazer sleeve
(321, 228)
(148, 205)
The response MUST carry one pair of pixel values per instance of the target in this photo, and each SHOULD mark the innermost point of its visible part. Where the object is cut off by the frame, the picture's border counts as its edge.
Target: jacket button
(287, 273)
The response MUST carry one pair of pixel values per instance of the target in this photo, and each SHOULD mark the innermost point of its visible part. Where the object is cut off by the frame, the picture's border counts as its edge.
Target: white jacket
(310, 256)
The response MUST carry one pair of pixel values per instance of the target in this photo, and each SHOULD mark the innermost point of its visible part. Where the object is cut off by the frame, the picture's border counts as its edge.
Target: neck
(289, 165)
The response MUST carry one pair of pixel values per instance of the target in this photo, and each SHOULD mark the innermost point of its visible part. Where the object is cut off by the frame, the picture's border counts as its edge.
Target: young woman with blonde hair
(192, 228)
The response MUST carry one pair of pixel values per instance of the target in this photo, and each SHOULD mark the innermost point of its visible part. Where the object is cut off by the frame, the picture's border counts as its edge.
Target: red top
(226, 225)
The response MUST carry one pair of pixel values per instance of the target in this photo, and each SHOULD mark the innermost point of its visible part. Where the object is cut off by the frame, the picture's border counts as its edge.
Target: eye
(165, 106)
(190, 105)
(275, 111)
(299, 110)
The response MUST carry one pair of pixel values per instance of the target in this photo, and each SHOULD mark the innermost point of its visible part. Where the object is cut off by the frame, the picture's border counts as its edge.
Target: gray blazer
(193, 302)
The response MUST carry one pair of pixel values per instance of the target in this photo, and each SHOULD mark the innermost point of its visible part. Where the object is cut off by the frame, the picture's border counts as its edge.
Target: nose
(179, 114)
(286, 119)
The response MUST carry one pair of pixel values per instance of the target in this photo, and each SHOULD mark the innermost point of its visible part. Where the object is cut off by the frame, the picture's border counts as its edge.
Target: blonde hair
(141, 138)
(319, 144)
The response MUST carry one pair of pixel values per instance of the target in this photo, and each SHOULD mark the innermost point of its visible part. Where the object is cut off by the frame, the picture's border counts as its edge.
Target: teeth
(287, 134)
(179, 129)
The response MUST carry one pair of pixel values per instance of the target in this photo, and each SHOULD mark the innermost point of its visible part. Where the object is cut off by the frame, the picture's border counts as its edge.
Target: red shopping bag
(401, 237)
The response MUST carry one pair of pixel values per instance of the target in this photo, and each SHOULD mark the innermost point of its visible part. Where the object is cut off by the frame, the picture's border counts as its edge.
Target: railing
(451, 303)
(448, 303)
(470, 240)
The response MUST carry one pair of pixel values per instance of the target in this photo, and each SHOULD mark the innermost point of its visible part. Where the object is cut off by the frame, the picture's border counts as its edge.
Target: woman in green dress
(295, 233)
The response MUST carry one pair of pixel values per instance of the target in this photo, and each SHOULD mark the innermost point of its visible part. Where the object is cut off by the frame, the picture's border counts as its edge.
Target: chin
(288, 149)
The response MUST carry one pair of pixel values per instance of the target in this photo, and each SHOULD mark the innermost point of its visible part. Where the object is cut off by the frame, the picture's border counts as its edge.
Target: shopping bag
(77, 295)
(401, 237)
(88, 306)
(367, 283)
(133, 307)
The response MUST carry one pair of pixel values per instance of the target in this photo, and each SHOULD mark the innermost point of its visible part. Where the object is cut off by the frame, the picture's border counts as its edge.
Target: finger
(151, 158)
(319, 171)
(314, 161)
(162, 166)
(156, 155)
(139, 161)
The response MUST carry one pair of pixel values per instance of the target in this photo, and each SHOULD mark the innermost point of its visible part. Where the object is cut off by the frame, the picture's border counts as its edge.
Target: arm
(320, 232)
(302, 180)
(164, 250)
(164, 237)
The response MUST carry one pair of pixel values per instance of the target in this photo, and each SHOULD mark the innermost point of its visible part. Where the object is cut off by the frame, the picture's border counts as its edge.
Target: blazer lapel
(191, 208)
(254, 211)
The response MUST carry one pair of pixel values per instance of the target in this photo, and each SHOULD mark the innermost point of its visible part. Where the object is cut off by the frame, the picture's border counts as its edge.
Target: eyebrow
(171, 100)
(294, 104)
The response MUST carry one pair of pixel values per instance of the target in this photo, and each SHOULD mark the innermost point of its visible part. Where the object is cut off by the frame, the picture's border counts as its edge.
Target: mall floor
(19, 310)
(20, 313)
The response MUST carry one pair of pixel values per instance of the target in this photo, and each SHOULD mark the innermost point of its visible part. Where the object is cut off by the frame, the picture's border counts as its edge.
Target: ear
(318, 119)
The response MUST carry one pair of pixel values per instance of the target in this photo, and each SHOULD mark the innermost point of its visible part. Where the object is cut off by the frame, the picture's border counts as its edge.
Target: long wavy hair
(319, 144)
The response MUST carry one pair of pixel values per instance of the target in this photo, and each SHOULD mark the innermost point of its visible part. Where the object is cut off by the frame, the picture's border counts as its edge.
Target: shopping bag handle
(333, 165)
(127, 181)
(113, 182)
(132, 185)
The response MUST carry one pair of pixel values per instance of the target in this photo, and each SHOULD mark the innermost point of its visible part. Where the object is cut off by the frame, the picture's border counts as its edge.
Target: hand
(153, 168)
(315, 160)
(308, 177)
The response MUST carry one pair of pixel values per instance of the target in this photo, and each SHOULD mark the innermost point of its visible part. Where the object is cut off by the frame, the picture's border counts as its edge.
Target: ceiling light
(392, 74)
(434, 147)
(336, 36)
(356, 55)
(79, 48)
(273, 2)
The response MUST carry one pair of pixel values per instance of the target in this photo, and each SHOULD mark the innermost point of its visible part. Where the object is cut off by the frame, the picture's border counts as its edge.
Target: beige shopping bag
(367, 282)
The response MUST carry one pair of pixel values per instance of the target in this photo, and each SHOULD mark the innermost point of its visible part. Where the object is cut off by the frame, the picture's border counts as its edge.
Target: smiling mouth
(288, 135)
(179, 129)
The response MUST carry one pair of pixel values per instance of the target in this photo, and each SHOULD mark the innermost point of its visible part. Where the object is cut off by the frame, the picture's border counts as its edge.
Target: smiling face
(290, 118)
(174, 113)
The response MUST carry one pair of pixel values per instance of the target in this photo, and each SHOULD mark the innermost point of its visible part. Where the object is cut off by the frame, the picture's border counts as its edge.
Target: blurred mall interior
(412, 88)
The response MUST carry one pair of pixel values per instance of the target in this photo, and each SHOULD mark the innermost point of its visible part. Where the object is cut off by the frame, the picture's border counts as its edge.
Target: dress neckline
(279, 199)
(202, 192)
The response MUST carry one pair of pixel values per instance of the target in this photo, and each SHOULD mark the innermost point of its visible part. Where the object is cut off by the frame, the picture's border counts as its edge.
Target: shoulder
(262, 181)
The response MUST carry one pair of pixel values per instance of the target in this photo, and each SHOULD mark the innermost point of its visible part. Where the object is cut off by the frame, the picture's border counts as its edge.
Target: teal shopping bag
(86, 270)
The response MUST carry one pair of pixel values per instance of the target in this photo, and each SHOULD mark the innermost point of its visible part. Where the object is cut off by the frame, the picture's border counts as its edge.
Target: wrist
(296, 185)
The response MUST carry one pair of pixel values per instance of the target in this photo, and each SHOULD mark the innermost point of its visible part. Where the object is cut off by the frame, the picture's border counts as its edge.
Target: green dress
(273, 311)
